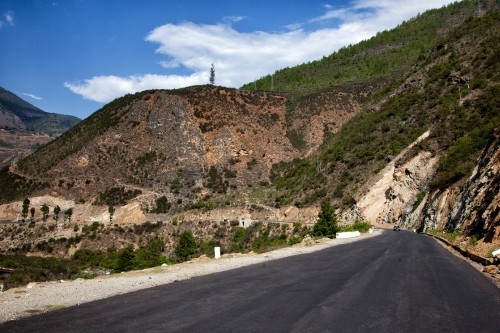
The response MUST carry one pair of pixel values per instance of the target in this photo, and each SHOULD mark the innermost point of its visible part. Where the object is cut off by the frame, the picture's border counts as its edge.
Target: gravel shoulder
(46, 296)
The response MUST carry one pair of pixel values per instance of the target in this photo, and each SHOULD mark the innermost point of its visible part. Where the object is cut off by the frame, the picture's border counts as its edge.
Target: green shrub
(358, 226)
(116, 196)
(162, 205)
(150, 255)
(147, 227)
(420, 198)
(37, 269)
(208, 248)
(294, 240)
(85, 276)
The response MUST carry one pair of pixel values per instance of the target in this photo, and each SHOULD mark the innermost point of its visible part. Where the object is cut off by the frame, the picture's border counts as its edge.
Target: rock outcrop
(475, 209)
(393, 195)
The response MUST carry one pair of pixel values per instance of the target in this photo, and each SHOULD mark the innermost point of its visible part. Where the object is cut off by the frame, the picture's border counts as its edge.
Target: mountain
(188, 144)
(24, 127)
(401, 128)
(18, 115)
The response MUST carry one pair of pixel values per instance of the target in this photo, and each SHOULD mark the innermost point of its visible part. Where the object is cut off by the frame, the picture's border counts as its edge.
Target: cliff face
(472, 208)
(475, 208)
(392, 193)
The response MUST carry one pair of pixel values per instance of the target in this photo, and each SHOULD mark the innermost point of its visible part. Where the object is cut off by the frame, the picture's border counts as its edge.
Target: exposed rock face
(475, 210)
(82, 213)
(10, 120)
(393, 195)
(13, 211)
(434, 210)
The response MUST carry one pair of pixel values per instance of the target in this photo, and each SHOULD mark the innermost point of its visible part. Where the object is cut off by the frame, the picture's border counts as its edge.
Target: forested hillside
(451, 90)
(385, 56)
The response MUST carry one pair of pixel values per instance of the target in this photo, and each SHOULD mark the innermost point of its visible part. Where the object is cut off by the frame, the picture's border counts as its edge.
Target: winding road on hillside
(395, 282)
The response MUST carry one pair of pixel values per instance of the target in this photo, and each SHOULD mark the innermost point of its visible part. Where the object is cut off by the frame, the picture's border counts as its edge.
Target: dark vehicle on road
(397, 228)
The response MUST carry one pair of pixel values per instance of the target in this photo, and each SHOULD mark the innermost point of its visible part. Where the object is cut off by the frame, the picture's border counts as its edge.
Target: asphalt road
(396, 282)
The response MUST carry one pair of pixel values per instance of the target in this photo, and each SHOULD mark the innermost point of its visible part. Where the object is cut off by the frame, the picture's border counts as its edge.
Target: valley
(396, 130)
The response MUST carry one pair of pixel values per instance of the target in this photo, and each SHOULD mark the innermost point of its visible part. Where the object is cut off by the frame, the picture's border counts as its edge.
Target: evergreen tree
(68, 214)
(150, 255)
(26, 205)
(126, 259)
(327, 221)
(111, 211)
(212, 74)
(186, 249)
(32, 213)
(57, 210)
(162, 205)
(45, 212)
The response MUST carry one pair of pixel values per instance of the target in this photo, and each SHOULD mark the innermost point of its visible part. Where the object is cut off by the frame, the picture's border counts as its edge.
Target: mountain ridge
(26, 116)
(174, 154)
(24, 127)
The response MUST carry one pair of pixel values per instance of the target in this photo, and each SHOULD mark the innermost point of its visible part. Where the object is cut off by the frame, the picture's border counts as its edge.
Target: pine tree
(126, 259)
(212, 75)
(32, 213)
(111, 211)
(26, 205)
(45, 212)
(187, 248)
(57, 210)
(326, 225)
(68, 214)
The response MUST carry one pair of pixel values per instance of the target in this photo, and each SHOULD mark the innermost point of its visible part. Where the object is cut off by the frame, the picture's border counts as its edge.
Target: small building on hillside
(245, 223)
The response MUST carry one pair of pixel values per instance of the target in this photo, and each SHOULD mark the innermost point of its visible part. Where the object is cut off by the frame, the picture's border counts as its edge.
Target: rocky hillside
(410, 142)
(187, 145)
(16, 145)
(448, 179)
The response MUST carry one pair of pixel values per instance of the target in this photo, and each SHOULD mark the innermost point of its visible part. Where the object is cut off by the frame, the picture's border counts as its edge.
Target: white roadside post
(217, 252)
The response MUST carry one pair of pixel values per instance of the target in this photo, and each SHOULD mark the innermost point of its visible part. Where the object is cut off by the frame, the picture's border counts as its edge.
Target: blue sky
(73, 56)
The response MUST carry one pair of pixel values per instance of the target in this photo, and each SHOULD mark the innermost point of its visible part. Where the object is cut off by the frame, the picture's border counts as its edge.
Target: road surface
(396, 282)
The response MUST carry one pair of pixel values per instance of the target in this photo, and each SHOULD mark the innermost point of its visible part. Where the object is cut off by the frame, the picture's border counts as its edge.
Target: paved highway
(396, 282)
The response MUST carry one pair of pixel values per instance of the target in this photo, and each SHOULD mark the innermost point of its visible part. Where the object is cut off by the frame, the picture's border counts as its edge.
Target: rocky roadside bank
(46, 296)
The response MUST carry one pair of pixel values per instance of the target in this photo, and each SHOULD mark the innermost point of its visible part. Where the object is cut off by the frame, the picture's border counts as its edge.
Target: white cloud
(243, 57)
(105, 88)
(379, 13)
(32, 96)
(293, 26)
(230, 19)
(8, 19)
